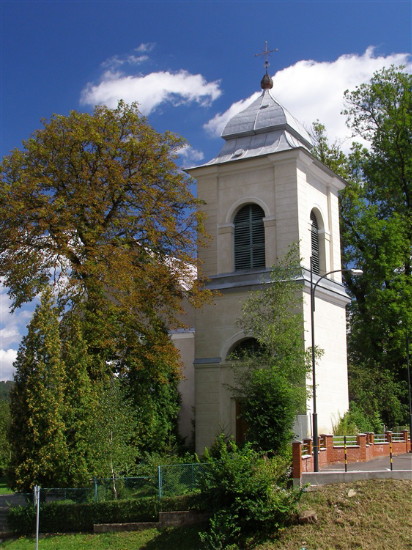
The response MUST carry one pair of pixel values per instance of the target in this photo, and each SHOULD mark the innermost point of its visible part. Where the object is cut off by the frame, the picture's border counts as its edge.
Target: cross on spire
(266, 53)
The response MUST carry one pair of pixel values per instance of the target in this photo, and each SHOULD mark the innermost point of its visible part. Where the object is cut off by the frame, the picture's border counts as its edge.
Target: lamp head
(356, 272)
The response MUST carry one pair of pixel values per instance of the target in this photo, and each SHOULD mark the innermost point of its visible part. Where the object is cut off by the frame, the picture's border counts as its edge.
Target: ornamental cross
(266, 53)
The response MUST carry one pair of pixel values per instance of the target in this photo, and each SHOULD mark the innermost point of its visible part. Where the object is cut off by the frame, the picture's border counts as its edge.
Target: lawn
(4, 490)
(150, 539)
(367, 515)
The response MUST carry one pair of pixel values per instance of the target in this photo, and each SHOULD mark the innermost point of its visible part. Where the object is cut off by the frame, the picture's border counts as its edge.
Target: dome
(264, 127)
(265, 114)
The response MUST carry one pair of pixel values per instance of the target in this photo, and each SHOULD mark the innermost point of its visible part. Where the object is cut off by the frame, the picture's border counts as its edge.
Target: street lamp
(355, 273)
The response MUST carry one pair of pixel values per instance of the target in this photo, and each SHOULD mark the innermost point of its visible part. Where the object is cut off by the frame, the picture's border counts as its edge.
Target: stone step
(166, 519)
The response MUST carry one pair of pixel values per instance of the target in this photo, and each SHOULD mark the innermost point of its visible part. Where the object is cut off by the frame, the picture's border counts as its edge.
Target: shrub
(246, 492)
(65, 516)
(357, 421)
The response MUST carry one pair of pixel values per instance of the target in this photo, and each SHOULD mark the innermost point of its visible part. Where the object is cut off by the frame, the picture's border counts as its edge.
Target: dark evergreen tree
(39, 452)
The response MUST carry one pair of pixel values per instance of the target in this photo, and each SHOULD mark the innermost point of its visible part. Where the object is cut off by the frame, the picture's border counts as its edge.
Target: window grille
(249, 238)
(315, 244)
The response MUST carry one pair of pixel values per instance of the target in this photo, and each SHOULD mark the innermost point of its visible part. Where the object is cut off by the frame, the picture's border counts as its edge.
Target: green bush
(66, 516)
(357, 421)
(246, 492)
(268, 405)
(57, 517)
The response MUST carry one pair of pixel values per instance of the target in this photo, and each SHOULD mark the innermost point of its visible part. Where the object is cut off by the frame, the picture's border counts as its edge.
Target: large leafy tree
(376, 229)
(95, 206)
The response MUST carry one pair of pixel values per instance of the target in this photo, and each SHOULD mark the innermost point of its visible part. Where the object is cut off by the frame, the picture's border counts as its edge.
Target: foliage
(38, 445)
(270, 381)
(376, 230)
(95, 206)
(66, 516)
(5, 387)
(356, 421)
(111, 433)
(4, 429)
(268, 405)
(97, 201)
(62, 517)
(240, 488)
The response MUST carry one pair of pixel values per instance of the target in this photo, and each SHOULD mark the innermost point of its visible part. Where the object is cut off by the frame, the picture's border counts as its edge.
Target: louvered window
(249, 238)
(315, 243)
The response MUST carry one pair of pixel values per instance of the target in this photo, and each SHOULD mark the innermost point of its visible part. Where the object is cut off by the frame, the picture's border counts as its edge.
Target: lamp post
(356, 273)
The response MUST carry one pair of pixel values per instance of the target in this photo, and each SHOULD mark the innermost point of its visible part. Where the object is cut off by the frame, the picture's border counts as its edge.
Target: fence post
(159, 472)
(297, 462)
(361, 441)
(405, 434)
(328, 439)
(36, 493)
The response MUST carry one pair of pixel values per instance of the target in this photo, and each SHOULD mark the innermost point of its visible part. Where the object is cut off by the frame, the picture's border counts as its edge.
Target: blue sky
(189, 65)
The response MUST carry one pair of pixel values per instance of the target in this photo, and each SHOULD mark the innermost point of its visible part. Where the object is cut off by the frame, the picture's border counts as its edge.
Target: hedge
(64, 517)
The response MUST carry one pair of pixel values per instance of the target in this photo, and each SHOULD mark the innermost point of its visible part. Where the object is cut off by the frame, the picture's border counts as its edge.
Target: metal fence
(348, 440)
(179, 479)
(171, 480)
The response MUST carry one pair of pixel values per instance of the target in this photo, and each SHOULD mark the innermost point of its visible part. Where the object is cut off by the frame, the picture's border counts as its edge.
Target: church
(261, 193)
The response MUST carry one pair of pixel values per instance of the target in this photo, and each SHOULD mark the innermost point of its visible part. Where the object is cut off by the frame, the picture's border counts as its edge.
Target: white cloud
(190, 155)
(151, 90)
(7, 358)
(145, 47)
(312, 90)
(116, 61)
(12, 328)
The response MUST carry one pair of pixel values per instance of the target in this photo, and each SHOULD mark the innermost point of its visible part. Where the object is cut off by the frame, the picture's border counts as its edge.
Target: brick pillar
(328, 439)
(405, 435)
(361, 441)
(388, 436)
(297, 467)
(371, 438)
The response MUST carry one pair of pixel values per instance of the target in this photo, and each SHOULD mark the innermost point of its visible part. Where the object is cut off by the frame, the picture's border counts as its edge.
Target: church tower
(263, 192)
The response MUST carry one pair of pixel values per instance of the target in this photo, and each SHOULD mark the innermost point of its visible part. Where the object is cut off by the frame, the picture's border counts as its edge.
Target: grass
(4, 490)
(377, 514)
(151, 539)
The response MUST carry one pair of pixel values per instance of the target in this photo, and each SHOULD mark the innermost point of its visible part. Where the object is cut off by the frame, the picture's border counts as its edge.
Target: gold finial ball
(266, 83)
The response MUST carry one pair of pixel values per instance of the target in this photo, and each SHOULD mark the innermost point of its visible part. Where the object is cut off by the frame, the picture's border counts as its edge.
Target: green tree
(4, 429)
(271, 380)
(376, 234)
(37, 435)
(81, 397)
(113, 428)
(96, 205)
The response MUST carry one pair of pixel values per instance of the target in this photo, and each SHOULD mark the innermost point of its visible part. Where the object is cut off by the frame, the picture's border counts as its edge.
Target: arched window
(315, 243)
(244, 349)
(249, 237)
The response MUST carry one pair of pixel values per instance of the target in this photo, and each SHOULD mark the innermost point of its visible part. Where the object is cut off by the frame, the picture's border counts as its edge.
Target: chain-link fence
(179, 479)
(170, 480)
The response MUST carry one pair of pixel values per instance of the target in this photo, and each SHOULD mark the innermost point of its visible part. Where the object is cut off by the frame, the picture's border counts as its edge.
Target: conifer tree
(39, 451)
(80, 400)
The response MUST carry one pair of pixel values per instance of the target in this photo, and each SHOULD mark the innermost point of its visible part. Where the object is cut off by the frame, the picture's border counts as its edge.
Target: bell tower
(263, 192)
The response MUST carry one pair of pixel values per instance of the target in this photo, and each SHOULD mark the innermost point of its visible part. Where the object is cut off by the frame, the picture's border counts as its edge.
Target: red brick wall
(366, 449)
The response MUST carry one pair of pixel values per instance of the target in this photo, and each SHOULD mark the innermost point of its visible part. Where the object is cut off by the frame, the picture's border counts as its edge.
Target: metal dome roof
(264, 127)
(265, 114)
